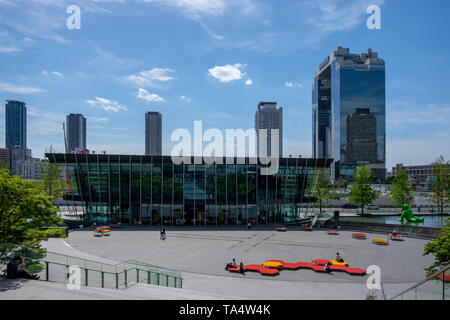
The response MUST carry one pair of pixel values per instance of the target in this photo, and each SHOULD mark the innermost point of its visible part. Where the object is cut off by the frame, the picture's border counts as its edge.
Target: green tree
(362, 193)
(26, 213)
(440, 188)
(4, 165)
(402, 190)
(440, 248)
(321, 187)
(51, 181)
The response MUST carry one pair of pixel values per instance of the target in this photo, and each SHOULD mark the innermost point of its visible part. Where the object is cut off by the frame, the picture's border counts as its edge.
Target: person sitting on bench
(338, 258)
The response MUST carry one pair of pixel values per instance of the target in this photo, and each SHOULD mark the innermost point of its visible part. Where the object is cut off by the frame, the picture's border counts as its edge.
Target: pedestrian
(249, 225)
(241, 268)
(163, 233)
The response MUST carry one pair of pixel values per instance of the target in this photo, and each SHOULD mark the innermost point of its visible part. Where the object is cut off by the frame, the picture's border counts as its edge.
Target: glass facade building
(16, 124)
(349, 112)
(154, 190)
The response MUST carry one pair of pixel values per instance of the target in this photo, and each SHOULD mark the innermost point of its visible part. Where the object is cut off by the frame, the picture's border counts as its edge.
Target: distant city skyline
(215, 64)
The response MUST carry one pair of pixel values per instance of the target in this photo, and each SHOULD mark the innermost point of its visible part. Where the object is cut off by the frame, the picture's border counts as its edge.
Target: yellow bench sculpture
(382, 242)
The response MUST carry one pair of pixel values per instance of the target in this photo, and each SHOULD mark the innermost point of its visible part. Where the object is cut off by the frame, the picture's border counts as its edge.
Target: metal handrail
(442, 271)
(129, 265)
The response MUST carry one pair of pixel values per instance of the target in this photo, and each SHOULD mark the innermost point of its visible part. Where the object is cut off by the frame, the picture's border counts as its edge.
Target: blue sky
(214, 60)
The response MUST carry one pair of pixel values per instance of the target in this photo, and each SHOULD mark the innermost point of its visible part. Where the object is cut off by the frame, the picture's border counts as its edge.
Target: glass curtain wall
(154, 191)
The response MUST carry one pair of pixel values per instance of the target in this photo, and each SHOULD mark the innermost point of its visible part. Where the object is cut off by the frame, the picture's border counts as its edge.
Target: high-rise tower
(349, 112)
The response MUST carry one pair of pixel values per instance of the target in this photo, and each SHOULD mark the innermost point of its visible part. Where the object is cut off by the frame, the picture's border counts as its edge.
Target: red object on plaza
(254, 267)
(396, 236)
(333, 232)
(321, 262)
(359, 235)
(281, 229)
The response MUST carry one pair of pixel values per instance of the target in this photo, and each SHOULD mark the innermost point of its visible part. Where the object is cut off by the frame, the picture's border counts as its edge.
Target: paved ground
(201, 255)
(38, 290)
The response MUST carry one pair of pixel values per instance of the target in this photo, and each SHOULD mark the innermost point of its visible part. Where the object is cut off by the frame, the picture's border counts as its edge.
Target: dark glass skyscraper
(76, 131)
(153, 134)
(349, 112)
(16, 124)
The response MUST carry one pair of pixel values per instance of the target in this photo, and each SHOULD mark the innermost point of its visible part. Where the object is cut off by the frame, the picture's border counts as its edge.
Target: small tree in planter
(362, 193)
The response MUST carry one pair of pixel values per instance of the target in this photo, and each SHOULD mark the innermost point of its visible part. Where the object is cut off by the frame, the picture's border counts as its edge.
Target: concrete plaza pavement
(201, 254)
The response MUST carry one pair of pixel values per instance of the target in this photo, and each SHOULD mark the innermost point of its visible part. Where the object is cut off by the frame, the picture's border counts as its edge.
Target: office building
(268, 117)
(16, 124)
(31, 168)
(153, 190)
(17, 156)
(421, 176)
(76, 132)
(5, 158)
(349, 112)
(153, 134)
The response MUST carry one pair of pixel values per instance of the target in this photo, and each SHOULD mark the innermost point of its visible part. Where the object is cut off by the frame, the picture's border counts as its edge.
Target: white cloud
(98, 120)
(53, 73)
(7, 87)
(149, 78)
(151, 97)
(186, 99)
(9, 49)
(291, 84)
(196, 9)
(106, 104)
(228, 72)
(249, 82)
(336, 15)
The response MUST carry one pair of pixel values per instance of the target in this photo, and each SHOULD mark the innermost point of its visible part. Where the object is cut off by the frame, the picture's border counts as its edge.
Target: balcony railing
(436, 287)
(57, 268)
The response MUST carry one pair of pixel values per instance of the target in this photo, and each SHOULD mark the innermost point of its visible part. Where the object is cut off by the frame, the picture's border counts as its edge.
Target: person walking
(163, 233)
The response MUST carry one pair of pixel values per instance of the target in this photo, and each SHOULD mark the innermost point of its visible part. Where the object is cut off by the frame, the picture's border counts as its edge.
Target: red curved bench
(333, 232)
(281, 229)
(255, 267)
(352, 271)
(359, 236)
(264, 271)
(318, 265)
(447, 278)
(321, 262)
